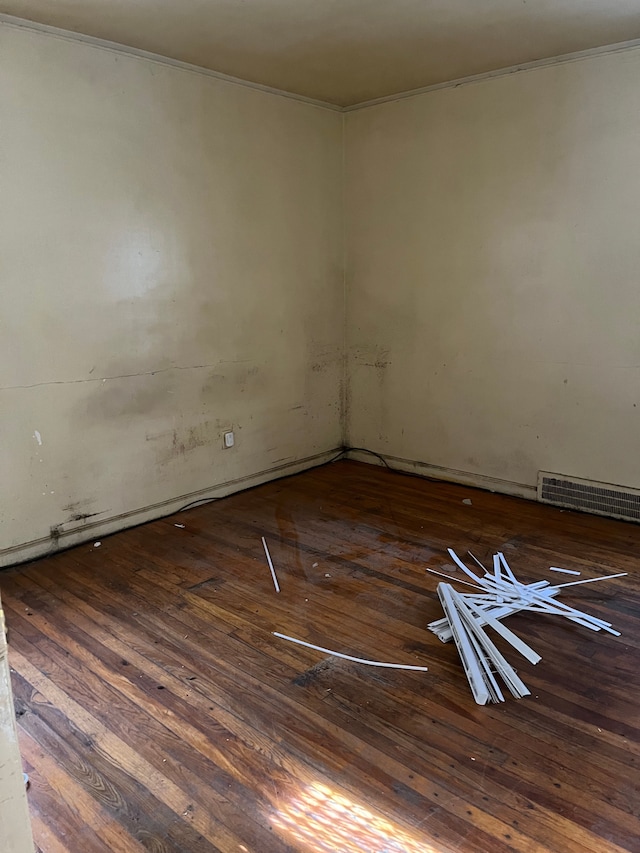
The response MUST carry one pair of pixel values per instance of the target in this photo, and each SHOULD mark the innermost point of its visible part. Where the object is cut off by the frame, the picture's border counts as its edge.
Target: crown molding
(115, 47)
(591, 52)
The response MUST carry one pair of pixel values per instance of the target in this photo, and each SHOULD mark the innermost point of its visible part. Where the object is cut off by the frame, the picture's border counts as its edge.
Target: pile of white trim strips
(499, 594)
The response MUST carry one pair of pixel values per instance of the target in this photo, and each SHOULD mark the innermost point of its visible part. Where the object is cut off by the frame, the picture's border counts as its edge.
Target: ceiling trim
(116, 47)
(620, 47)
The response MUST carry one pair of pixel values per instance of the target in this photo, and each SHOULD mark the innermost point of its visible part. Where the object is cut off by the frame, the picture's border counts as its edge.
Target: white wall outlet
(229, 439)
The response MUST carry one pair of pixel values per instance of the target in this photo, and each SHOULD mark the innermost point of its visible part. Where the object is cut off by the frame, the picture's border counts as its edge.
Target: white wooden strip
(564, 571)
(508, 673)
(476, 560)
(499, 595)
(496, 694)
(465, 648)
(585, 619)
(590, 580)
(451, 578)
(518, 644)
(517, 591)
(557, 605)
(487, 603)
(350, 657)
(577, 619)
(462, 566)
(507, 569)
(497, 572)
(442, 629)
(503, 587)
(273, 571)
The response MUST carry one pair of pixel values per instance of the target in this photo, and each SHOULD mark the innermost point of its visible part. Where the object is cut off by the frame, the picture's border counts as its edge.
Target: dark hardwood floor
(158, 712)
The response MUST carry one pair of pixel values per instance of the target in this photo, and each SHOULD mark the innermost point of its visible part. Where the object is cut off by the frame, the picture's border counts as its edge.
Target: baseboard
(91, 531)
(451, 475)
(87, 532)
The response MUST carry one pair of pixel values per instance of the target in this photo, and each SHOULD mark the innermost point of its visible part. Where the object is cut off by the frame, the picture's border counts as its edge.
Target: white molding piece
(591, 580)
(273, 571)
(501, 598)
(513, 681)
(484, 617)
(116, 47)
(472, 660)
(563, 59)
(466, 616)
(87, 532)
(450, 475)
(501, 595)
(564, 571)
(366, 661)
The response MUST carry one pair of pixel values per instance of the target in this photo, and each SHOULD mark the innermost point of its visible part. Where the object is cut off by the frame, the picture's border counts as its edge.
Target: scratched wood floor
(158, 712)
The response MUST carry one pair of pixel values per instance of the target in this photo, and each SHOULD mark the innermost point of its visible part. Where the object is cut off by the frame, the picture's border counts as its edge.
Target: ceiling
(345, 51)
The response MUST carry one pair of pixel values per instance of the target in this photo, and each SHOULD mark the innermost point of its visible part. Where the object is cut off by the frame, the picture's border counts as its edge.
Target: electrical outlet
(229, 439)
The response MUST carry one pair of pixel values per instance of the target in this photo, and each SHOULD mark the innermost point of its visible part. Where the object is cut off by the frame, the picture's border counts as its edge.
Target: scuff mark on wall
(377, 357)
(323, 357)
(55, 533)
(371, 356)
(83, 516)
(76, 506)
(180, 441)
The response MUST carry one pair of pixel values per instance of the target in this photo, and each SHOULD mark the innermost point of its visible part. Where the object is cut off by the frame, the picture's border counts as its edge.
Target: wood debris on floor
(499, 594)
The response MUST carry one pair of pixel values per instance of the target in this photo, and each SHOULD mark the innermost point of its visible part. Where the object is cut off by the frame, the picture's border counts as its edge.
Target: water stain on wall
(230, 377)
(371, 356)
(177, 443)
(323, 357)
(368, 368)
(132, 396)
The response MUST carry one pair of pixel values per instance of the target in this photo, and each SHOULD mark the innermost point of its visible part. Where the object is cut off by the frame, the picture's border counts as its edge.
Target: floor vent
(589, 496)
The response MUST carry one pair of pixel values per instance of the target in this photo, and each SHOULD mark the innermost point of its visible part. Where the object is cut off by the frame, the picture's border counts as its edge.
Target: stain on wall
(492, 259)
(169, 242)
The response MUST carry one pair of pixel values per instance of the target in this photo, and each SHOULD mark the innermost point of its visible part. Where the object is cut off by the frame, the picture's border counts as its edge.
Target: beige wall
(493, 275)
(171, 263)
(170, 266)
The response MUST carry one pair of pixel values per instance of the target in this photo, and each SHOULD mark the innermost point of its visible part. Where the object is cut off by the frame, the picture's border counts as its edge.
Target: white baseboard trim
(67, 537)
(451, 475)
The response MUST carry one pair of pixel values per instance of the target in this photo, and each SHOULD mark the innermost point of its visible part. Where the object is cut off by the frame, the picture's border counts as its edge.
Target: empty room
(320, 426)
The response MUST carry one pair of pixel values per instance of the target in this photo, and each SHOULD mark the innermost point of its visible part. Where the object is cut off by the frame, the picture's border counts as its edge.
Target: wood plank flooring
(157, 711)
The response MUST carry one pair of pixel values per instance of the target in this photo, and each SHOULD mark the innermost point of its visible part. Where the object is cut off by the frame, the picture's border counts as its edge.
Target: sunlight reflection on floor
(324, 821)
